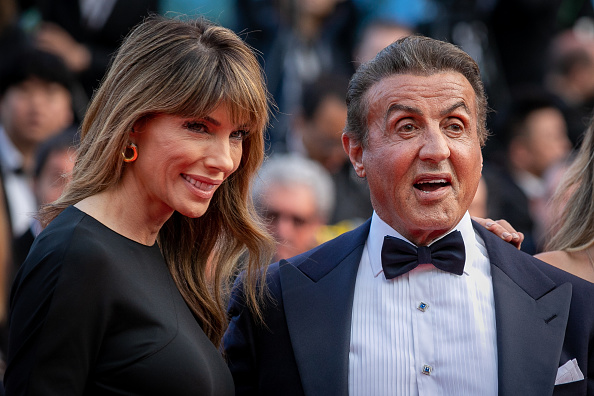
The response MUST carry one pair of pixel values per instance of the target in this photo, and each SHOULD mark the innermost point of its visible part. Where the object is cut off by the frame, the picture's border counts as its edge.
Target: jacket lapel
(318, 297)
(531, 315)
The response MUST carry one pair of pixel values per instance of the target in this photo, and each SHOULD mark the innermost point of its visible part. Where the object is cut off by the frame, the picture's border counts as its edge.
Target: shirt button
(427, 369)
(423, 306)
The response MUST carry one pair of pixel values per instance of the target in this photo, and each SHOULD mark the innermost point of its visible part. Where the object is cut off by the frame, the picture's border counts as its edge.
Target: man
(317, 130)
(35, 104)
(348, 319)
(85, 34)
(376, 35)
(534, 133)
(295, 196)
(53, 167)
(570, 76)
(54, 163)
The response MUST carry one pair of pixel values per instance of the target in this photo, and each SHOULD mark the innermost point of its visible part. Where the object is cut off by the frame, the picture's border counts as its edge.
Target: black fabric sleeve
(58, 315)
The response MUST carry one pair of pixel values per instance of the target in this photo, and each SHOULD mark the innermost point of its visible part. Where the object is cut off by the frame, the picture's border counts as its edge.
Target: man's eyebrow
(409, 109)
(400, 107)
(457, 105)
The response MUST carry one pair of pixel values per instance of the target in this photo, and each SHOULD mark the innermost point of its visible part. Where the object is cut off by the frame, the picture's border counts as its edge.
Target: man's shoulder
(527, 271)
(318, 261)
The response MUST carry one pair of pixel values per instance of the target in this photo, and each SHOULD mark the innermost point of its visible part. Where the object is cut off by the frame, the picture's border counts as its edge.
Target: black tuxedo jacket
(544, 317)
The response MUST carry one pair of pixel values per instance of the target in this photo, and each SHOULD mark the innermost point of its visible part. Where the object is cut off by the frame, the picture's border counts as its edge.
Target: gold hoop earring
(131, 158)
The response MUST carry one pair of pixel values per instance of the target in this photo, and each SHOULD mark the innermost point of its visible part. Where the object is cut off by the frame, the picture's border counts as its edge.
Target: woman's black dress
(95, 313)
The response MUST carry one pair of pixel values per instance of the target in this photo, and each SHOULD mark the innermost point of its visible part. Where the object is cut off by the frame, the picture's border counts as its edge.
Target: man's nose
(435, 146)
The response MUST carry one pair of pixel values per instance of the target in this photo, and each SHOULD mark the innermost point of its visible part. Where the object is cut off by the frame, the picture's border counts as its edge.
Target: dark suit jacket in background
(544, 317)
(506, 200)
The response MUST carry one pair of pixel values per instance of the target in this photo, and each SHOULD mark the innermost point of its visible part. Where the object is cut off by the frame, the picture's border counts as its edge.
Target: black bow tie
(447, 254)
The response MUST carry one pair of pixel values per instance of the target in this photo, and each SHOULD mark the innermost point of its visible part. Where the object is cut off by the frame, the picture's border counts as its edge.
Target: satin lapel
(531, 315)
(318, 299)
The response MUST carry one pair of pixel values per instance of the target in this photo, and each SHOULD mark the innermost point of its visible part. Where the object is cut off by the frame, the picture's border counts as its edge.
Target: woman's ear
(140, 124)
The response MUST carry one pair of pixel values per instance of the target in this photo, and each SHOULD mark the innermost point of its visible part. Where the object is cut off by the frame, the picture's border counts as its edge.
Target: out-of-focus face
(290, 212)
(322, 134)
(423, 157)
(547, 141)
(183, 161)
(54, 176)
(35, 110)
(376, 39)
(316, 8)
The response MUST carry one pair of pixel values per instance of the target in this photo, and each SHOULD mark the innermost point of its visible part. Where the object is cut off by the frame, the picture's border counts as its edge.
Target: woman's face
(182, 161)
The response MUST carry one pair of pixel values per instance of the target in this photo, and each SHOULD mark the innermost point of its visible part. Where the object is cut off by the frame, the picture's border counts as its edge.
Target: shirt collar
(532, 186)
(10, 157)
(379, 229)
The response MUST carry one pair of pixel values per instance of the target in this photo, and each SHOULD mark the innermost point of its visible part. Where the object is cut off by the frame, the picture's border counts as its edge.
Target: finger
(515, 237)
(501, 231)
(504, 223)
(494, 227)
(485, 222)
(518, 243)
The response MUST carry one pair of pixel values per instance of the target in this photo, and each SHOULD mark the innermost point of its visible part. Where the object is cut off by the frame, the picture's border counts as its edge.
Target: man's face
(423, 157)
(321, 135)
(547, 141)
(290, 212)
(56, 172)
(35, 110)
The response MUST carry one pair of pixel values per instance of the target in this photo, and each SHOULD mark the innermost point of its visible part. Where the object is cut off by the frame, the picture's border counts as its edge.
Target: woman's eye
(196, 126)
(240, 134)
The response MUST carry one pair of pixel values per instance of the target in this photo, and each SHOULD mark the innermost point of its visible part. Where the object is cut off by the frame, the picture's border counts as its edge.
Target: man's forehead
(448, 88)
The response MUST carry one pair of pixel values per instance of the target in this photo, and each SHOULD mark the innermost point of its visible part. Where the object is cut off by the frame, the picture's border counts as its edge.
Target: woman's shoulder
(557, 258)
(61, 258)
(71, 231)
(576, 263)
(72, 237)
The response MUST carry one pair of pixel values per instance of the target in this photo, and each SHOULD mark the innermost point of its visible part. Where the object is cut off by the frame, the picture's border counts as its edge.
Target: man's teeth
(433, 182)
(431, 185)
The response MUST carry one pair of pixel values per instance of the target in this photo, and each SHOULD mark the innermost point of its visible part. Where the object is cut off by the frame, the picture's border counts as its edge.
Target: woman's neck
(124, 215)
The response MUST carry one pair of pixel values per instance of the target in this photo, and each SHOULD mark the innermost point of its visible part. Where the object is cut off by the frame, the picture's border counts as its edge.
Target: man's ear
(355, 152)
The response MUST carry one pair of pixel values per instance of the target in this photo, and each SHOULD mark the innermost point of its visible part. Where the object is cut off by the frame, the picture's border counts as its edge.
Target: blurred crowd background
(536, 56)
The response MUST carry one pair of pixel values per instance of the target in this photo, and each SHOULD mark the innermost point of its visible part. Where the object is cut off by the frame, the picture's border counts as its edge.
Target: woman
(570, 245)
(123, 292)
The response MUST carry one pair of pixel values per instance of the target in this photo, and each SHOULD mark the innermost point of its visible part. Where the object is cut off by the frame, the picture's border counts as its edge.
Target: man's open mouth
(433, 185)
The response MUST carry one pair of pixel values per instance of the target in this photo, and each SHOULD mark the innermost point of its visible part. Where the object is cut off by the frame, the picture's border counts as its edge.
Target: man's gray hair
(294, 169)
